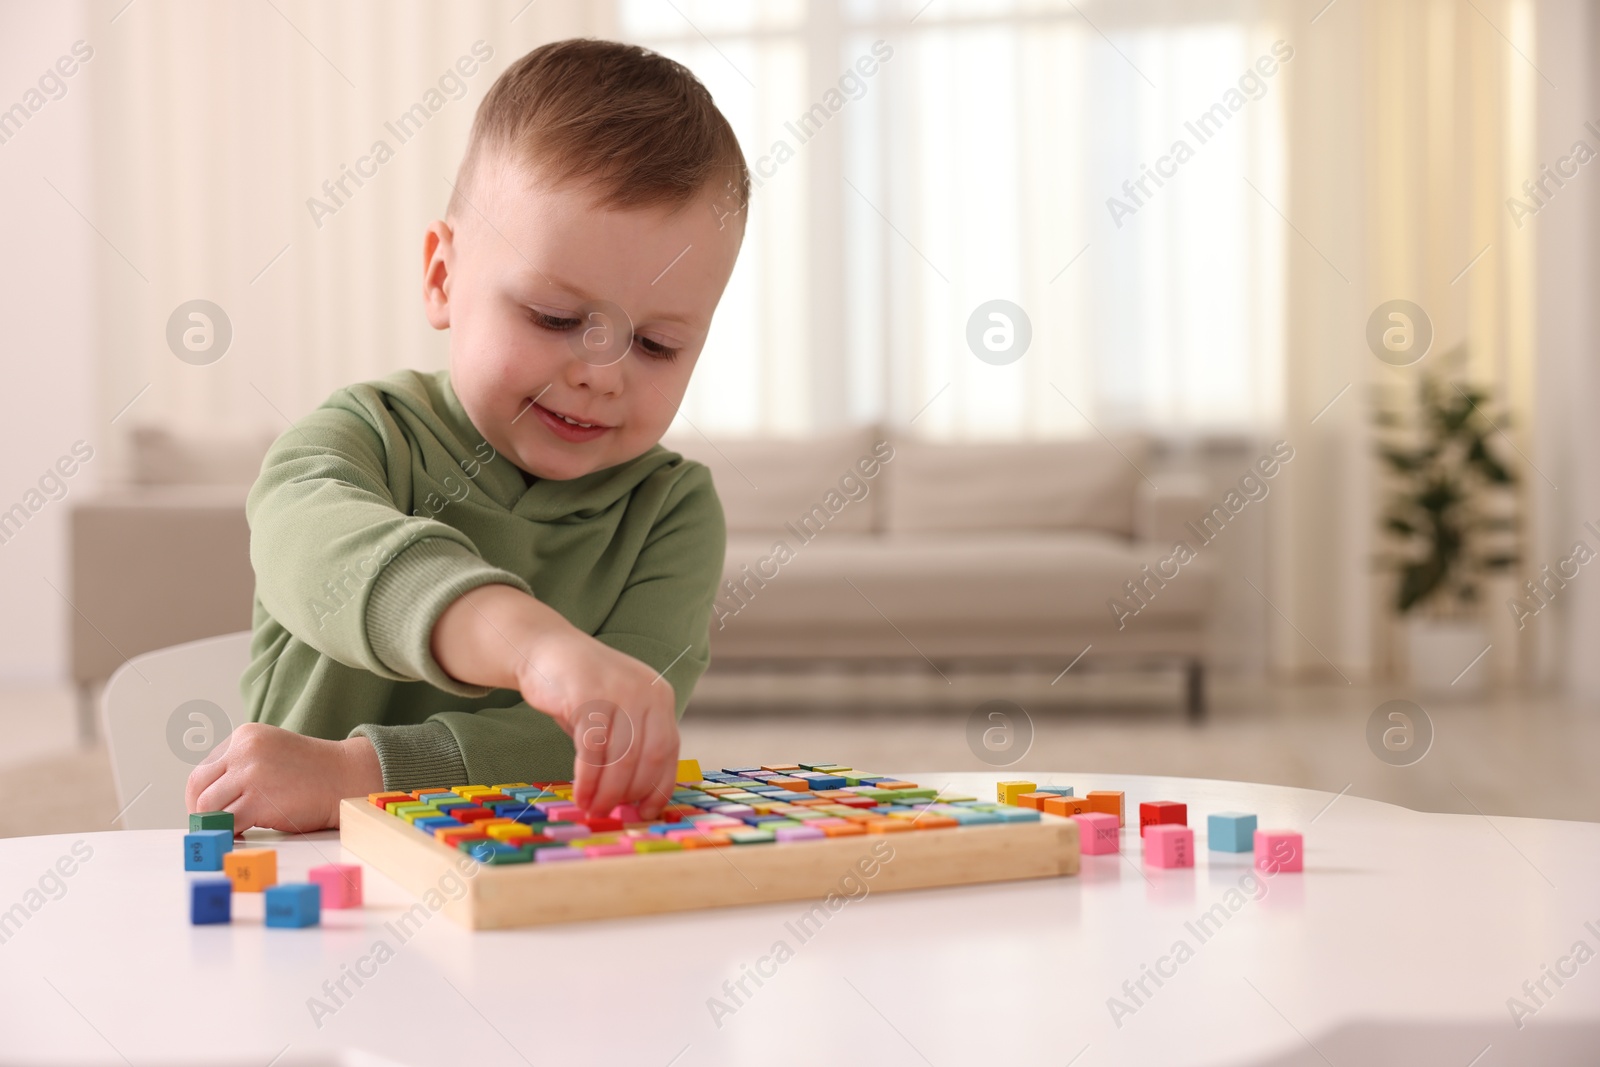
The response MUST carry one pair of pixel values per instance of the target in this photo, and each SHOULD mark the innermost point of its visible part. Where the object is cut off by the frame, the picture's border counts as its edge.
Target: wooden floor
(1507, 753)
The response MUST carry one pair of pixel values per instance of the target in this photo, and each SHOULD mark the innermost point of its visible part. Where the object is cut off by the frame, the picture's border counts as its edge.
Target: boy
(429, 548)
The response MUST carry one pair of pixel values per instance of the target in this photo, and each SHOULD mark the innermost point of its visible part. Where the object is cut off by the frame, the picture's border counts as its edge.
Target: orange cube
(1108, 801)
(1059, 805)
(927, 821)
(849, 829)
(383, 799)
(251, 870)
(798, 785)
(1033, 800)
(887, 826)
(450, 835)
(704, 840)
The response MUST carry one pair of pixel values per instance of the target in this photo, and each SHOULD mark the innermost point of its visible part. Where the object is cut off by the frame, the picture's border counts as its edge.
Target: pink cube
(1098, 833)
(798, 833)
(566, 831)
(1168, 845)
(620, 848)
(340, 882)
(1278, 851)
(626, 813)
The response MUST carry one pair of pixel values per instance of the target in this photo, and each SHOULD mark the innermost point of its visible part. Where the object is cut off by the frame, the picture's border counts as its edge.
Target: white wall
(46, 303)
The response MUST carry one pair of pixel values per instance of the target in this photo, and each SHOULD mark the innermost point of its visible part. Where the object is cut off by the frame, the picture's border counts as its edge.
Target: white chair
(160, 713)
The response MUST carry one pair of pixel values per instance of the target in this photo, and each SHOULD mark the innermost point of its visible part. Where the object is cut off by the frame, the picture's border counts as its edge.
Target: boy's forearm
(484, 636)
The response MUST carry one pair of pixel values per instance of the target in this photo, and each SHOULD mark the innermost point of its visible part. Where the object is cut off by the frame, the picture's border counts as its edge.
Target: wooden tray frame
(533, 894)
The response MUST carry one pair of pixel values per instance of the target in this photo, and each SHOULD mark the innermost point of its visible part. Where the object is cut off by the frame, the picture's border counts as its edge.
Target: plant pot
(1440, 652)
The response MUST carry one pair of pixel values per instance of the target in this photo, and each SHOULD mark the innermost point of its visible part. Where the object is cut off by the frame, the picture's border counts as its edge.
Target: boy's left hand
(280, 780)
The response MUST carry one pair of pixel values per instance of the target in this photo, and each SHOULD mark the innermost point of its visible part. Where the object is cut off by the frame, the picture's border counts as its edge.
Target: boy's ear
(437, 251)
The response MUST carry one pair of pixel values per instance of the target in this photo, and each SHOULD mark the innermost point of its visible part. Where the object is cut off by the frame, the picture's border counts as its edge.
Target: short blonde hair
(635, 127)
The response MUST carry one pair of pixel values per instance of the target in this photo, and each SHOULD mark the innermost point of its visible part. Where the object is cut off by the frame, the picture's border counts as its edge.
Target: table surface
(1400, 943)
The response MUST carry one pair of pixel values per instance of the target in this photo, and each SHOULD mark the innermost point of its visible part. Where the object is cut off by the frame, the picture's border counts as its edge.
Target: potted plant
(1449, 520)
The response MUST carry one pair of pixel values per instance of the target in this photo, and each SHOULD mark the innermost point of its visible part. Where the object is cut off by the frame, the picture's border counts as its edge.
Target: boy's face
(530, 280)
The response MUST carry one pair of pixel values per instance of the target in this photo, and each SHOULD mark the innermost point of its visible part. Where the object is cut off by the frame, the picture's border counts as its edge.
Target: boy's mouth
(569, 427)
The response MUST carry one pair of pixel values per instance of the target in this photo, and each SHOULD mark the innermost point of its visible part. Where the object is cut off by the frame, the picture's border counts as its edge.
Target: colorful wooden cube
(1108, 801)
(1168, 845)
(1008, 792)
(203, 850)
(1152, 812)
(1035, 800)
(511, 832)
(251, 870)
(1230, 831)
(382, 800)
(1098, 833)
(1059, 805)
(1279, 851)
(211, 820)
(340, 884)
(210, 901)
(688, 771)
(293, 905)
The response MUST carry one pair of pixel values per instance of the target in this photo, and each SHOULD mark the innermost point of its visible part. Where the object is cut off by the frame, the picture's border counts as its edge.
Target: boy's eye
(655, 349)
(551, 322)
(563, 323)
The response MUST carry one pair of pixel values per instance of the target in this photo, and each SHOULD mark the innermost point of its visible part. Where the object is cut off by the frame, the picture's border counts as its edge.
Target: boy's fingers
(645, 783)
(218, 795)
(202, 778)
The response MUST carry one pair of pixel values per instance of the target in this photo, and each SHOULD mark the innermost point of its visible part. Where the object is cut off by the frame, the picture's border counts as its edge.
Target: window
(914, 162)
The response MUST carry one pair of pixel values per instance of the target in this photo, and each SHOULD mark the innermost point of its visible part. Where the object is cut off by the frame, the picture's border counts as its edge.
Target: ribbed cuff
(410, 594)
(416, 757)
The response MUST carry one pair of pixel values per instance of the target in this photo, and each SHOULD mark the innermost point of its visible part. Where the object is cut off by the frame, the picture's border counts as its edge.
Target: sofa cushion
(1038, 485)
(766, 483)
(998, 580)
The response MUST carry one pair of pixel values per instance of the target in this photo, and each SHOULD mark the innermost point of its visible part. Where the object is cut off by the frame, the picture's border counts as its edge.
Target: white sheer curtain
(966, 152)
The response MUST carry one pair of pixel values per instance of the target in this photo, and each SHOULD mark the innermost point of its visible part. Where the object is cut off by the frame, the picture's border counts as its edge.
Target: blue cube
(203, 849)
(294, 904)
(210, 901)
(438, 822)
(1230, 831)
(1058, 790)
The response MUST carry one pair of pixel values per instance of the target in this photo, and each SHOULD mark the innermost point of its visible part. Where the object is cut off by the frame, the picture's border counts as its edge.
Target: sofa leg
(1195, 689)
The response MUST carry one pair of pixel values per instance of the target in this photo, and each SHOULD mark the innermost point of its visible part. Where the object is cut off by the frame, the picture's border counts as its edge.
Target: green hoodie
(376, 511)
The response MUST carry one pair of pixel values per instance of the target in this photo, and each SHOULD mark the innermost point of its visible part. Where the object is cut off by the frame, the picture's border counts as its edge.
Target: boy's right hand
(620, 714)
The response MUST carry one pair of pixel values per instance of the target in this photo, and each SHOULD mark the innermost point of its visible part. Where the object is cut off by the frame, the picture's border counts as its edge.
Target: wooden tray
(488, 897)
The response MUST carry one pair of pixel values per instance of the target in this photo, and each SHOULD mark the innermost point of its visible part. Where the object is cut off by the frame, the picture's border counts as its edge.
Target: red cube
(601, 824)
(471, 814)
(1161, 813)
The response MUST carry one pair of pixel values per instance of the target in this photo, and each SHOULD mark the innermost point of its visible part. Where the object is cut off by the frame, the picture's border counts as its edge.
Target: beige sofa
(849, 547)
(951, 553)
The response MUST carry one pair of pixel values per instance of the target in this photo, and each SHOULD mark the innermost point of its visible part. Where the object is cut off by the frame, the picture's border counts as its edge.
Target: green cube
(211, 820)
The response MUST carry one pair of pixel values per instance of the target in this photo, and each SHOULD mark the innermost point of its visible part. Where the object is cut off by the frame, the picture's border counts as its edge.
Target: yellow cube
(1008, 792)
(251, 870)
(511, 785)
(505, 832)
(689, 771)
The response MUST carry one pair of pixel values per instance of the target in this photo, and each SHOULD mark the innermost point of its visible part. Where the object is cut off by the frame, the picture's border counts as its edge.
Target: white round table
(1402, 942)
